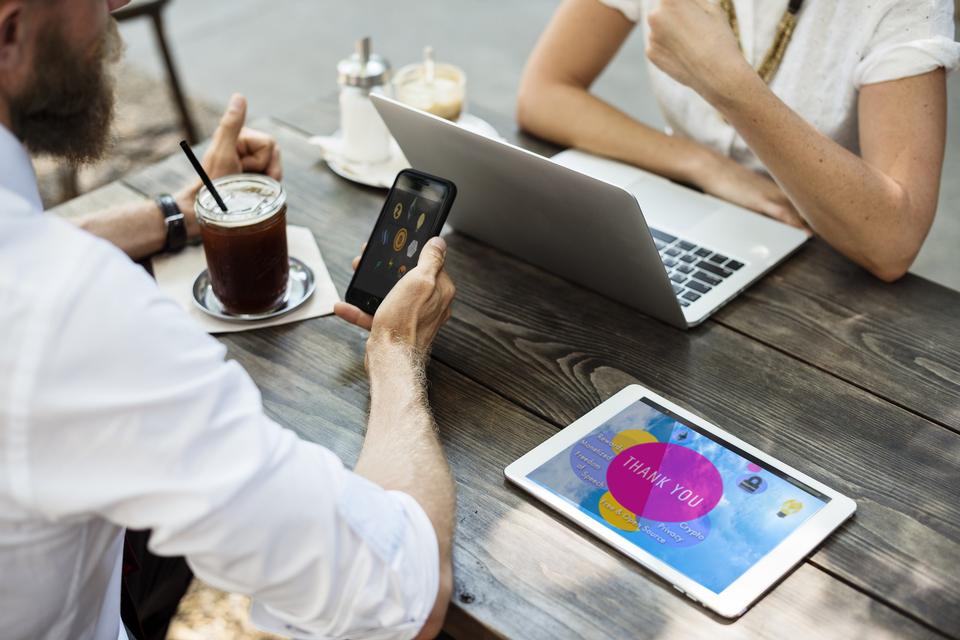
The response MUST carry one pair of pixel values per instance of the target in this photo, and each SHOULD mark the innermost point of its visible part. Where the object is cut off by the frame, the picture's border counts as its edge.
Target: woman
(842, 104)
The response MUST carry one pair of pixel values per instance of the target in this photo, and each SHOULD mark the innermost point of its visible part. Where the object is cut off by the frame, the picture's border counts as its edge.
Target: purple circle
(663, 481)
(590, 457)
(675, 535)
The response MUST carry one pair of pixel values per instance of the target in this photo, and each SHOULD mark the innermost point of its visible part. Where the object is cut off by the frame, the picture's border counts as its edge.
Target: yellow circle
(400, 239)
(616, 514)
(397, 210)
(629, 438)
(421, 220)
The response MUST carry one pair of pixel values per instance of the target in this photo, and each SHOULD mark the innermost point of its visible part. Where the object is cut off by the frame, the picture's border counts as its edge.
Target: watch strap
(175, 222)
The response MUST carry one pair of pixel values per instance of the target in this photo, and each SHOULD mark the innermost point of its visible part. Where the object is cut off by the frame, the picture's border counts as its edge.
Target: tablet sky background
(743, 526)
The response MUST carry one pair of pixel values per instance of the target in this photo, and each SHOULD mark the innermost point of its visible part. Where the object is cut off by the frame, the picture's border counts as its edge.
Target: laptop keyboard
(693, 270)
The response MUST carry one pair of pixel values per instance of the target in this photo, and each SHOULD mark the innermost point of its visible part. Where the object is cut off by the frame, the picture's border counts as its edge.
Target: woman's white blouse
(838, 46)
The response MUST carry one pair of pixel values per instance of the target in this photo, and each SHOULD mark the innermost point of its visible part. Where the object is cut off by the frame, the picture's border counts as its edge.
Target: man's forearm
(401, 450)
(138, 229)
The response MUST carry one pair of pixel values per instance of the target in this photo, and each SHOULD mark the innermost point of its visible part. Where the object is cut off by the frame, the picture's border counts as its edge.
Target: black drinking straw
(203, 174)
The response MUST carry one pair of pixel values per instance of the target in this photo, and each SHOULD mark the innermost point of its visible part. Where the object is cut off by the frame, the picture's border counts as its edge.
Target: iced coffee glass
(246, 246)
(443, 95)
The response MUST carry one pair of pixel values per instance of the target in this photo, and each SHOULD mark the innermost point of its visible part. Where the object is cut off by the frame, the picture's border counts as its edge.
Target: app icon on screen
(789, 508)
(400, 239)
(412, 249)
(397, 210)
(421, 220)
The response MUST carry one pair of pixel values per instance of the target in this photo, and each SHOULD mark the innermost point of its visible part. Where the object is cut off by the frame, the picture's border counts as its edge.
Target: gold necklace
(771, 62)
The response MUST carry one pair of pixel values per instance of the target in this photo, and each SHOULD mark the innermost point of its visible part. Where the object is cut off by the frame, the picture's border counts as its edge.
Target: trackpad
(669, 206)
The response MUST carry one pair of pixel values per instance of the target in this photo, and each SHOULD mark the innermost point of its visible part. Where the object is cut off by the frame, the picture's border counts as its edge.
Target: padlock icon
(751, 484)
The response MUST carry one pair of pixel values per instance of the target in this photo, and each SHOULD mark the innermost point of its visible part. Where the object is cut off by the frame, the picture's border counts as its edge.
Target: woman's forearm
(570, 115)
(862, 212)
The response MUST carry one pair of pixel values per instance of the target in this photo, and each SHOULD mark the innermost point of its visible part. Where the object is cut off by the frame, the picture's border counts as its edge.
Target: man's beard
(68, 108)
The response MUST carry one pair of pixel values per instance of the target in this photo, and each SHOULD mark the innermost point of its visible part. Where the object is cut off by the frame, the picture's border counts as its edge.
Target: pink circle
(665, 482)
(753, 468)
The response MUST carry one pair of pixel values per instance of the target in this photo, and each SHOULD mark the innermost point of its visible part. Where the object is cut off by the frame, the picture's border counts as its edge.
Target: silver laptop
(669, 251)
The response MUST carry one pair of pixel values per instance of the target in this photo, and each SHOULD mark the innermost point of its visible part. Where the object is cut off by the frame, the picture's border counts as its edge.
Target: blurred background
(283, 53)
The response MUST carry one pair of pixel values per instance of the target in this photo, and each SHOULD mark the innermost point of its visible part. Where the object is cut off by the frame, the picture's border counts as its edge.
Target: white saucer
(382, 174)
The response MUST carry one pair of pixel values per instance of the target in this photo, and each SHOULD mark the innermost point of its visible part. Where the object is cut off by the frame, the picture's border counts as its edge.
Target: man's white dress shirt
(838, 46)
(117, 411)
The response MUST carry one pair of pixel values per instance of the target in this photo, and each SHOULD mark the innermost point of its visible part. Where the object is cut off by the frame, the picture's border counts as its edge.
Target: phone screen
(412, 214)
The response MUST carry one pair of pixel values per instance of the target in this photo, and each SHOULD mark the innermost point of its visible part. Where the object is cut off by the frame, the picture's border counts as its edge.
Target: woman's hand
(691, 41)
(233, 149)
(727, 179)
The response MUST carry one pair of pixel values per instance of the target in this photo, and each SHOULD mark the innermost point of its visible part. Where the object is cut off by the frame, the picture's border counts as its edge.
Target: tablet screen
(702, 506)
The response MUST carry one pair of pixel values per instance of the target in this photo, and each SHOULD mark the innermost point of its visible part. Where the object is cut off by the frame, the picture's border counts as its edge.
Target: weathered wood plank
(900, 341)
(559, 350)
(521, 572)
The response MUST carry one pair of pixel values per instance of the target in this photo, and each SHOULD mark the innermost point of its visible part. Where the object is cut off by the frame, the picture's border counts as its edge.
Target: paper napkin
(176, 273)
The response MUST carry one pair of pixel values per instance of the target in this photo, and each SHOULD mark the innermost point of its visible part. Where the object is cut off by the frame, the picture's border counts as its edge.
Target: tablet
(717, 518)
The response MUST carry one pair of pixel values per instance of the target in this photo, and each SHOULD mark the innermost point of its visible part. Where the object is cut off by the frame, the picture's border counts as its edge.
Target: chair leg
(186, 121)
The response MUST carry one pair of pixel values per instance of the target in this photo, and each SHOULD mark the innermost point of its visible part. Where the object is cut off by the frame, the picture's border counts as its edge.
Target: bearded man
(117, 412)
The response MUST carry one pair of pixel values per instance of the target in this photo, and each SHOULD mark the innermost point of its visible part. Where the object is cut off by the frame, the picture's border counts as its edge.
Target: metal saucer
(300, 286)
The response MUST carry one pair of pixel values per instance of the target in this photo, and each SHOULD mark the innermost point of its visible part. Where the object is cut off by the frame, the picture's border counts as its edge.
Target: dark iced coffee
(246, 246)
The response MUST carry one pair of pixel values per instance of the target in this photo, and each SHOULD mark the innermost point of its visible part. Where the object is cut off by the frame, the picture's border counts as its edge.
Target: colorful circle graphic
(397, 210)
(590, 458)
(615, 513)
(629, 438)
(664, 482)
(675, 534)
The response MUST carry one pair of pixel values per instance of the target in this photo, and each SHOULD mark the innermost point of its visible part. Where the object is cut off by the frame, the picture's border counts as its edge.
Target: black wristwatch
(175, 221)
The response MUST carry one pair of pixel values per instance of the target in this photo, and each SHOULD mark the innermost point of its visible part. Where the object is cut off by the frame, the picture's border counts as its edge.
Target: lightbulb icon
(789, 508)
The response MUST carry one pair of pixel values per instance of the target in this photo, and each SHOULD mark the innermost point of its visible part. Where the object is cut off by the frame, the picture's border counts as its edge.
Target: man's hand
(415, 309)
(691, 41)
(727, 179)
(233, 149)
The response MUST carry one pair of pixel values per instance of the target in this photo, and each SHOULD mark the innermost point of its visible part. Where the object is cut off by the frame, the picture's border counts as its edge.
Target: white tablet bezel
(745, 590)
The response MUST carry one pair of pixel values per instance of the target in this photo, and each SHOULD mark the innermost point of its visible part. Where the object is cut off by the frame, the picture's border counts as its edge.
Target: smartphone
(414, 211)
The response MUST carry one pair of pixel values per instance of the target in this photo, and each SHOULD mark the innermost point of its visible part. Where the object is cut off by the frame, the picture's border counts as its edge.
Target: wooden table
(853, 381)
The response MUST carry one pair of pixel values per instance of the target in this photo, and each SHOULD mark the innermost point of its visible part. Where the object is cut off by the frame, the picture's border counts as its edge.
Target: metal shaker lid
(363, 68)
